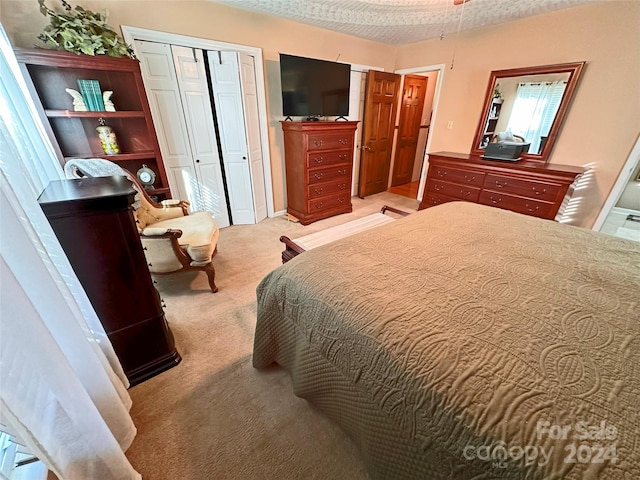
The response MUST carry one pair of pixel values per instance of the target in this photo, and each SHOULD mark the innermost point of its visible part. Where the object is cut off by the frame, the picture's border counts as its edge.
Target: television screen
(313, 87)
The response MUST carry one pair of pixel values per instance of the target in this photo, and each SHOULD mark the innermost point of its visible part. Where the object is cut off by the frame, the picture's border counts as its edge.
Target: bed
(467, 342)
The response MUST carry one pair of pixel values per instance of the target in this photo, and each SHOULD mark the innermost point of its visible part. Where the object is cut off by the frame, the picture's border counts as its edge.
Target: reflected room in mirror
(524, 109)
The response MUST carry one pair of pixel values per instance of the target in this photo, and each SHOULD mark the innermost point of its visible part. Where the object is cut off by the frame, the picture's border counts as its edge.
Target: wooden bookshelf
(73, 133)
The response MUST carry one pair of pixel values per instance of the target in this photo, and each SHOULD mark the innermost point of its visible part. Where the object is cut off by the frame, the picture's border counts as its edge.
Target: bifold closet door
(178, 95)
(194, 91)
(238, 125)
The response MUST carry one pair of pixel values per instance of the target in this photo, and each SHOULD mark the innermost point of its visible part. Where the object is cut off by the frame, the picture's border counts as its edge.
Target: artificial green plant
(82, 31)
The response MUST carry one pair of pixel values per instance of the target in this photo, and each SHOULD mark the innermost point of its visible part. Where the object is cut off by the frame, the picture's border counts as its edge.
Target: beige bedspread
(467, 342)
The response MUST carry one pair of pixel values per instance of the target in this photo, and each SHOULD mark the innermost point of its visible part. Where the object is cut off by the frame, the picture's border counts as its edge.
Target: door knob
(365, 147)
(197, 160)
(244, 158)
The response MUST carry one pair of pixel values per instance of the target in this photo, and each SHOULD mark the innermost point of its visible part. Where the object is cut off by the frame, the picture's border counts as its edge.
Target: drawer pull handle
(531, 209)
(317, 143)
(318, 190)
(437, 187)
(441, 174)
(465, 194)
(343, 171)
(495, 201)
(341, 200)
(343, 141)
(342, 186)
(319, 205)
(540, 192)
(342, 156)
(318, 175)
(435, 201)
(500, 184)
(469, 179)
(319, 159)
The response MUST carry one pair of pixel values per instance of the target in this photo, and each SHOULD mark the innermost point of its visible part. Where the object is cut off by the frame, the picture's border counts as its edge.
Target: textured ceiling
(399, 22)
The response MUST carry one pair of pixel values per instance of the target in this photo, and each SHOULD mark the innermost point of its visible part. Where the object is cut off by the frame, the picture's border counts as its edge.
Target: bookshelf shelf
(120, 157)
(49, 73)
(96, 115)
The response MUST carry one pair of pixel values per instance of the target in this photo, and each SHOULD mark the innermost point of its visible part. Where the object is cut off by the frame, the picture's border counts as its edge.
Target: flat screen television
(314, 88)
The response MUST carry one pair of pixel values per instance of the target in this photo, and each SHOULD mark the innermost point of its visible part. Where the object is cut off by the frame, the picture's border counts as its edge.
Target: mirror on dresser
(527, 105)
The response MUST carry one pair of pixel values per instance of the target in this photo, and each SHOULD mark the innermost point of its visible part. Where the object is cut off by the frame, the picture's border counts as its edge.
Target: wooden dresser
(532, 188)
(93, 221)
(319, 161)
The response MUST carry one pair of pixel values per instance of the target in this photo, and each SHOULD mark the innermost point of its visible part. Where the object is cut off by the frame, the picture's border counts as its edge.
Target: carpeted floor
(216, 417)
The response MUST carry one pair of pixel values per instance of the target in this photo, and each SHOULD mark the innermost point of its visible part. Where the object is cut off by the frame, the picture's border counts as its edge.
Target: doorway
(620, 215)
(414, 127)
(415, 163)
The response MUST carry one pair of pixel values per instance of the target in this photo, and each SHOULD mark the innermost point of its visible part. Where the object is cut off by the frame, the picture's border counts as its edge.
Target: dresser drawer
(465, 177)
(528, 206)
(328, 141)
(327, 174)
(433, 199)
(329, 202)
(320, 159)
(319, 190)
(523, 187)
(455, 190)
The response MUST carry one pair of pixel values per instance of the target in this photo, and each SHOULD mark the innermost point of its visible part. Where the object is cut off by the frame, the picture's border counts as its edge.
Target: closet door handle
(197, 160)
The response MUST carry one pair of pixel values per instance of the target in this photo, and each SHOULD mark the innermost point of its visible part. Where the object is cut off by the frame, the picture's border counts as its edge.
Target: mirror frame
(574, 70)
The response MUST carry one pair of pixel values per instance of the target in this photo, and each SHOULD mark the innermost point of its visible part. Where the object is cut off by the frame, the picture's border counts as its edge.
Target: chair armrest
(172, 203)
(163, 234)
(152, 233)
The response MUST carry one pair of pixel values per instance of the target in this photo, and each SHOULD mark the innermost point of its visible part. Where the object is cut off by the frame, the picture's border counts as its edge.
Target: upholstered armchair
(173, 240)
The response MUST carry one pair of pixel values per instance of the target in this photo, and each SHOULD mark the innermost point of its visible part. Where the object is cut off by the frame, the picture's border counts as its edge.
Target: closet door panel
(159, 77)
(227, 95)
(196, 101)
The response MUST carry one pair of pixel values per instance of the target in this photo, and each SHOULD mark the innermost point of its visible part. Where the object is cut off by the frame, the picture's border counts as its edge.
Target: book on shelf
(92, 95)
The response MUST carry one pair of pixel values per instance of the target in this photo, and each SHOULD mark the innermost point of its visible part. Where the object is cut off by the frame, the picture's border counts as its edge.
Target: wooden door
(413, 94)
(381, 103)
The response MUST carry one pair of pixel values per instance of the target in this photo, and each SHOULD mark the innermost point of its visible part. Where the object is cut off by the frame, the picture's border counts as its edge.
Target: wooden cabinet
(318, 161)
(73, 133)
(94, 223)
(532, 188)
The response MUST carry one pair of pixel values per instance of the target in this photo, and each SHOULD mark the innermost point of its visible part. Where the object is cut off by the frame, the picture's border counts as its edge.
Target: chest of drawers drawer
(323, 159)
(331, 188)
(327, 141)
(464, 177)
(327, 174)
(528, 206)
(522, 187)
(329, 202)
(455, 190)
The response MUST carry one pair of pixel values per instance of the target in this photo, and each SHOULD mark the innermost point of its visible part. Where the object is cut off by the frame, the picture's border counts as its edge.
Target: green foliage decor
(82, 31)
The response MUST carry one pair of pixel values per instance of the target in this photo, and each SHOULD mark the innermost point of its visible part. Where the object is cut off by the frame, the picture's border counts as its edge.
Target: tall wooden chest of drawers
(532, 188)
(318, 161)
(94, 224)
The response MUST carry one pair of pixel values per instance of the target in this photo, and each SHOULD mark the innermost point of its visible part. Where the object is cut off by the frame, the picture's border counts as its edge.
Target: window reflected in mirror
(525, 110)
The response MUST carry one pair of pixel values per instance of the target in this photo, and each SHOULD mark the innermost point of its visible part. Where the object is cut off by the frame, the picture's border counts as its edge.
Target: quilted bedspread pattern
(467, 342)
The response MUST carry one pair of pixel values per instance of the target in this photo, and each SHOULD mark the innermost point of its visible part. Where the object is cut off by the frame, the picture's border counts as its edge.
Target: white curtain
(62, 389)
(534, 110)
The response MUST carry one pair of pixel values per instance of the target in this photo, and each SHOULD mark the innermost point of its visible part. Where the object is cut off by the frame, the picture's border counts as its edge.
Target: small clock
(146, 176)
